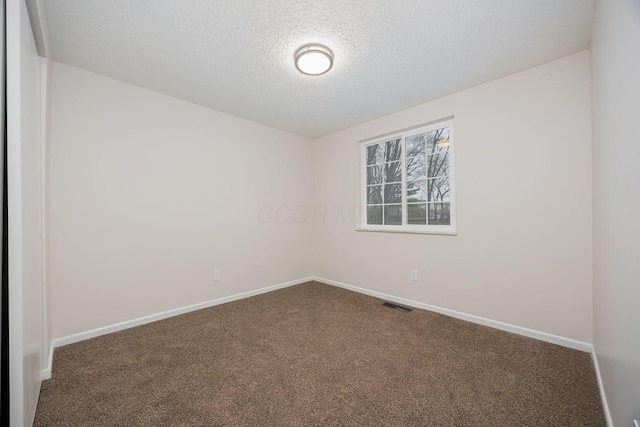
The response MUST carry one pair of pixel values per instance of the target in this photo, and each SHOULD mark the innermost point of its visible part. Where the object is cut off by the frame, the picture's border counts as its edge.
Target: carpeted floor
(316, 355)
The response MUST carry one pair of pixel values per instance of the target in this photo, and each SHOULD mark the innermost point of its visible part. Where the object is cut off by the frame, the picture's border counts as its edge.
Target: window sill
(442, 233)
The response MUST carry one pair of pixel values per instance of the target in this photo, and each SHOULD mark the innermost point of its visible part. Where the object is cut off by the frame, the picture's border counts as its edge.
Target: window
(407, 181)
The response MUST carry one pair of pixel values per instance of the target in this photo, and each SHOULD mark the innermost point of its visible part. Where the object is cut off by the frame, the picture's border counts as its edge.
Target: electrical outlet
(414, 275)
(216, 275)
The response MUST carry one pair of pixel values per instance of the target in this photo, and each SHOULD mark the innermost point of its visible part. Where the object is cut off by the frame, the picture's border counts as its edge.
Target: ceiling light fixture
(313, 59)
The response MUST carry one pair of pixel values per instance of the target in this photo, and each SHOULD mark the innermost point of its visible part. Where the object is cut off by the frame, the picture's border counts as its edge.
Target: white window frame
(362, 173)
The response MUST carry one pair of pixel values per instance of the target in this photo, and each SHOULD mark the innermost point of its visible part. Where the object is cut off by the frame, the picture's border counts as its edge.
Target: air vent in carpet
(397, 307)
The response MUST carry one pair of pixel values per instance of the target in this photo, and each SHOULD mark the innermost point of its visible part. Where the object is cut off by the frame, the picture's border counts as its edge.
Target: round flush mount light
(313, 59)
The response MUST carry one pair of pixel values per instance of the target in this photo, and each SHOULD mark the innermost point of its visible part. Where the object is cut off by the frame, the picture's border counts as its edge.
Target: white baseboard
(603, 397)
(46, 373)
(70, 339)
(531, 333)
(543, 336)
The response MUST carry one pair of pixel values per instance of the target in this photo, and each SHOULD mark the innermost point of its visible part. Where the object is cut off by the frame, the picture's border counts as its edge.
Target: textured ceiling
(236, 56)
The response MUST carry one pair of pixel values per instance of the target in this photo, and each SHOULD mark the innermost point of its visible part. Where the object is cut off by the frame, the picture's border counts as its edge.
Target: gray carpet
(316, 355)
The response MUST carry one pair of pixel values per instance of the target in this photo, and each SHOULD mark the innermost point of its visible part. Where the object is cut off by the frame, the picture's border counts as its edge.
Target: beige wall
(146, 203)
(523, 180)
(150, 194)
(615, 67)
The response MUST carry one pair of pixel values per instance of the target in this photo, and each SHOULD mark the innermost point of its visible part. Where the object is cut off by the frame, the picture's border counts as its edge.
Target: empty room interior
(321, 213)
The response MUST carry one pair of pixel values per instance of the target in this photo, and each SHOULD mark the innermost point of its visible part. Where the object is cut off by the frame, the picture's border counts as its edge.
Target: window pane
(437, 140)
(393, 215)
(393, 172)
(438, 163)
(417, 214)
(393, 151)
(439, 214)
(417, 191)
(375, 154)
(416, 168)
(374, 195)
(384, 152)
(393, 193)
(374, 214)
(439, 190)
(374, 174)
(416, 144)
